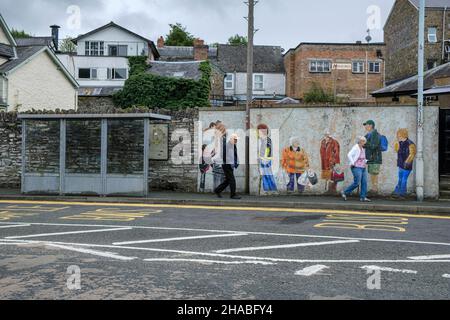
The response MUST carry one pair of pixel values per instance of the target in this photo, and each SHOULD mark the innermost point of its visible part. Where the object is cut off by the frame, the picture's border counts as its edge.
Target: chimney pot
(55, 36)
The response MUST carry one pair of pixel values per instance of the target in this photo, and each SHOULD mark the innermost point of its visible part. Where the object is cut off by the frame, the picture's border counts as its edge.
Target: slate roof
(23, 53)
(97, 91)
(267, 59)
(172, 53)
(409, 86)
(6, 51)
(432, 3)
(180, 69)
(35, 41)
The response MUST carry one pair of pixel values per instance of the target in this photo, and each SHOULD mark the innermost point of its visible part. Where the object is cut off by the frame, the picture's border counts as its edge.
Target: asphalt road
(106, 251)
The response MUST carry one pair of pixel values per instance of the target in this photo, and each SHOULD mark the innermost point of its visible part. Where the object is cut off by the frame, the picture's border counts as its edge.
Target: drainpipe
(420, 109)
(443, 33)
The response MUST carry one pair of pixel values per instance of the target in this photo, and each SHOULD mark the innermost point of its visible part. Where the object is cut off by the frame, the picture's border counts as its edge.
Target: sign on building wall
(342, 66)
(159, 142)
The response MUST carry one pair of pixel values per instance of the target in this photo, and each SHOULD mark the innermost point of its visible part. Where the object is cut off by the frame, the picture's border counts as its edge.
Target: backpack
(384, 144)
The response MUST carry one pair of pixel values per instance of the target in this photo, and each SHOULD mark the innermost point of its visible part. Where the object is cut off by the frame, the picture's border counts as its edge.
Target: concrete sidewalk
(291, 202)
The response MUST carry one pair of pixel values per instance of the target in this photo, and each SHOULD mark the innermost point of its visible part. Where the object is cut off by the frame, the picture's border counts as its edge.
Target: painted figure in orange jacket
(295, 162)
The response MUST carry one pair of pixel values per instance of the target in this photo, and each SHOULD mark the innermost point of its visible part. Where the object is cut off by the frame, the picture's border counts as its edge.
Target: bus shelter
(86, 154)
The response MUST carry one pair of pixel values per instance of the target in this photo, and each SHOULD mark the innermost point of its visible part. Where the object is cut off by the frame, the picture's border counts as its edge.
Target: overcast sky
(280, 22)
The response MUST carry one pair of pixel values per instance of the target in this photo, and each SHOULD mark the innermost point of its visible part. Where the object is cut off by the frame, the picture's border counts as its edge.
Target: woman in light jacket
(358, 164)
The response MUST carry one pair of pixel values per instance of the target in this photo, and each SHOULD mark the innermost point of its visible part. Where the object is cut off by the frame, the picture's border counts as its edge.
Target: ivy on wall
(148, 90)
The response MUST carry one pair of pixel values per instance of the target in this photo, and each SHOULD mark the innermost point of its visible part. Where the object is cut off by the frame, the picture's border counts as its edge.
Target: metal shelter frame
(103, 183)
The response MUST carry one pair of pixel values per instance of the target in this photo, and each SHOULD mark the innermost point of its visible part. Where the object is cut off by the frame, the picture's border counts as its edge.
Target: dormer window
(94, 48)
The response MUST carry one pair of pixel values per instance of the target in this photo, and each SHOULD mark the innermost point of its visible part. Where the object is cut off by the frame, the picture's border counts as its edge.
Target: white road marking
(179, 239)
(389, 269)
(287, 246)
(15, 226)
(240, 232)
(309, 271)
(68, 233)
(92, 252)
(442, 256)
(447, 276)
(235, 257)
(210, 261)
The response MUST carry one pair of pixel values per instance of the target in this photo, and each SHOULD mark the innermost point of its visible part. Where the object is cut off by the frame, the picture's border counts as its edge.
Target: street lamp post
(420, 107)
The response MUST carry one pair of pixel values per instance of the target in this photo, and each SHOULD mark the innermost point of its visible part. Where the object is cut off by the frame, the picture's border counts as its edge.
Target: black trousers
(230, 180)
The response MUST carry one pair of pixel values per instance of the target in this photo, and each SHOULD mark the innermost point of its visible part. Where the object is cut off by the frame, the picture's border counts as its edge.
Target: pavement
(79, 250)
(294, 201)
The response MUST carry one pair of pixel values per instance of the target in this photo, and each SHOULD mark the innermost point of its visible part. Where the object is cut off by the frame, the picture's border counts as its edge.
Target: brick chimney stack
(200, 50)
(160, 43)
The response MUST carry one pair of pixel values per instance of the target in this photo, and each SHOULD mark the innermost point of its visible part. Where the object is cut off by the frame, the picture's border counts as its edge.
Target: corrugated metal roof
(35, 41)
(172, 53)
(409, 85)
(97, 91)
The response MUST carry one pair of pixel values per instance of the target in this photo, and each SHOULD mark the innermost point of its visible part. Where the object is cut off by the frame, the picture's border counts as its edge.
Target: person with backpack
(406, 153)
(374, 149)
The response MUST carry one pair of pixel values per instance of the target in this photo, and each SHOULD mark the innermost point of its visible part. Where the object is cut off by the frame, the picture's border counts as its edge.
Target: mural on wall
(265, 161)
(375, 146)
(295, 162)
(330, 157)
(406, 153)
(211, 142)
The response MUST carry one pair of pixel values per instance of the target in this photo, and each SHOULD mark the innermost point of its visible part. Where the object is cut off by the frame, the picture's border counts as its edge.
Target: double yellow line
(225, 208)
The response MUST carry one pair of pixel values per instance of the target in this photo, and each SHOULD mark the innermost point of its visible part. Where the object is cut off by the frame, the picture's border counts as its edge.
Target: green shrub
(318, 95)
(148, 90)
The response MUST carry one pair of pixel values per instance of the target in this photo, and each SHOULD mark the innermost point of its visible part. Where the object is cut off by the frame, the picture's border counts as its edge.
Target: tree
(178, 36)
(238, 40)
(20, 34)
(67, 45)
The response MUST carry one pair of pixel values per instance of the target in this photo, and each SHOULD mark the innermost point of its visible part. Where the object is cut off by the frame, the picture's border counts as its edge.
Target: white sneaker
(344, 196)
(366, 200)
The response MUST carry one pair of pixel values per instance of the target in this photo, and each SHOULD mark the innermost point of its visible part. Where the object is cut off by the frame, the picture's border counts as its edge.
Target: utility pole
(251, 32)
(420, 108)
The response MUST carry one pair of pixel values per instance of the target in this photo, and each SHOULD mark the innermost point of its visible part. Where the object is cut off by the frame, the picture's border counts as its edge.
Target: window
(118, 51)
(320, 66)
(117, 74)
(358, 67)
(2, 98)
(374, 67)
(258, 82)
(94, 48)
(229, 82)
(84, 73)
(87, 73)
(432, 35)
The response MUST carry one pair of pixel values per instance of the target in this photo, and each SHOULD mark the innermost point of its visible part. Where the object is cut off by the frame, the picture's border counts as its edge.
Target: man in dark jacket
(373, 153)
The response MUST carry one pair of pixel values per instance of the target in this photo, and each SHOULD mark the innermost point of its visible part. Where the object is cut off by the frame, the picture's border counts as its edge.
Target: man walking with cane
(230, 161)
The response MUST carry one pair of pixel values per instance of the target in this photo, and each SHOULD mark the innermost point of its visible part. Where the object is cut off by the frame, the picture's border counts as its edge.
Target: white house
(101, 60)
(269, 78)
(32, 77)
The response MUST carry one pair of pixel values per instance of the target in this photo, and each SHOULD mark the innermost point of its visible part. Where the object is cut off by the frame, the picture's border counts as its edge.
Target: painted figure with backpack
(374, 148)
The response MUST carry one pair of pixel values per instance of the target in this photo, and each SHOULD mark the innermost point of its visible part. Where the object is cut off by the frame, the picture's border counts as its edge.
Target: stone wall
(10, 150)
(95, 104)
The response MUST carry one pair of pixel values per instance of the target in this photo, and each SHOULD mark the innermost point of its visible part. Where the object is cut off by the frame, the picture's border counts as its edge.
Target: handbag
(304, 180)
(337, 175)
(312, 177)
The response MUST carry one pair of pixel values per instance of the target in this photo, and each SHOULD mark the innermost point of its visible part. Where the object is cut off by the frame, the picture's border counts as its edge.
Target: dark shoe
(236, 197)
(218, 194)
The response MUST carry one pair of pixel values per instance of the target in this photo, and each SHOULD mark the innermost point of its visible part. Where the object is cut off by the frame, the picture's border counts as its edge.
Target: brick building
(401, 34)
(348, 71)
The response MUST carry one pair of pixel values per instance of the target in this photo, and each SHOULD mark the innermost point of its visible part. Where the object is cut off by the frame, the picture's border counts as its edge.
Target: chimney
(55, 36)
(161, 42)
(200, 50)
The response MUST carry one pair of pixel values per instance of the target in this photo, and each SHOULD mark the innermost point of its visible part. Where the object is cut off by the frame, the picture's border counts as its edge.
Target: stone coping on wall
(309, 106)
